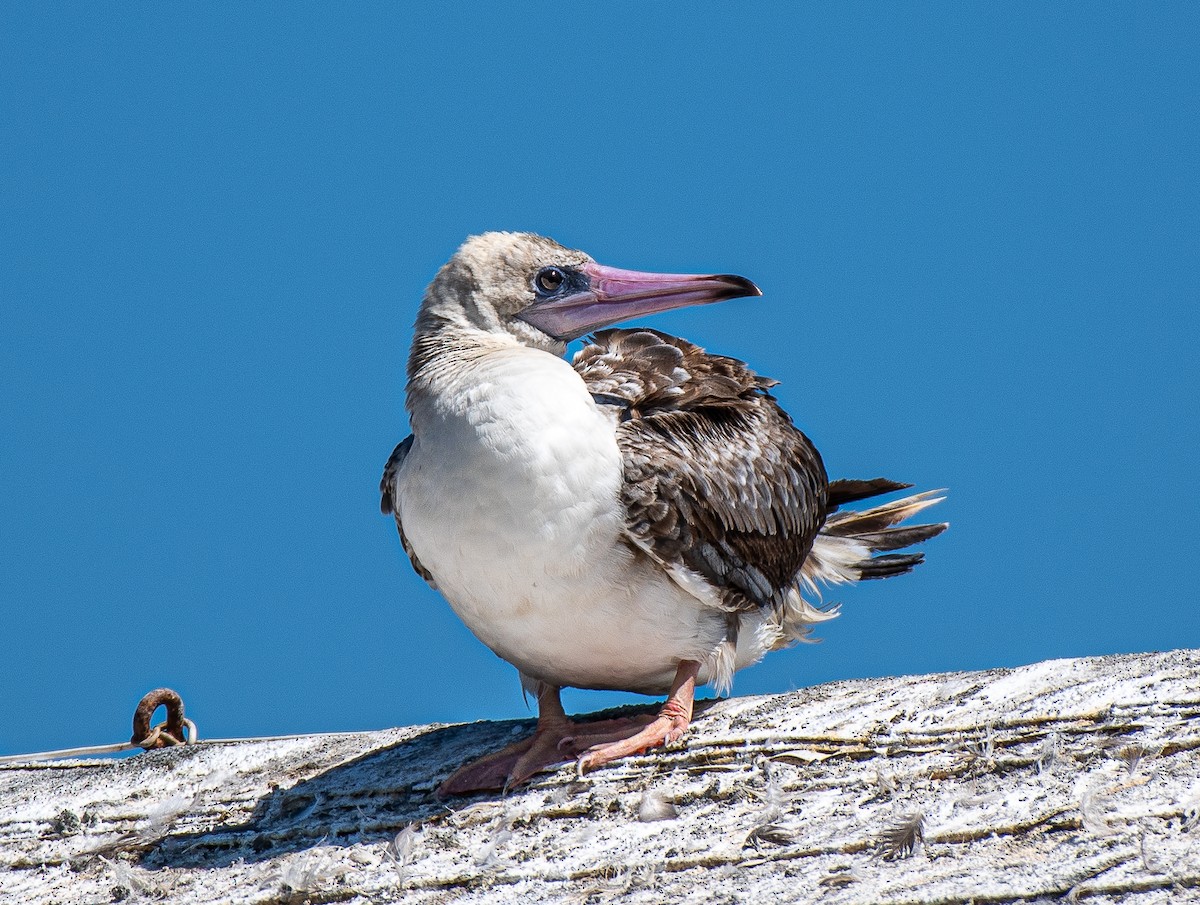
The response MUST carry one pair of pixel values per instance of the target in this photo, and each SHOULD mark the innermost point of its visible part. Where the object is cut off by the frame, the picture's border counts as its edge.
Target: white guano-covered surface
(1066, 778)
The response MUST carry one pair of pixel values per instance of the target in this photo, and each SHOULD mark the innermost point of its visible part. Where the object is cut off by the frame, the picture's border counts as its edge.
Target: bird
(643, 518)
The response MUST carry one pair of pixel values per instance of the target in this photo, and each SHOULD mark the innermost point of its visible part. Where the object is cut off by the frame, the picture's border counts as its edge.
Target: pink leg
(557, 739)
(519, 761)
(669, 726)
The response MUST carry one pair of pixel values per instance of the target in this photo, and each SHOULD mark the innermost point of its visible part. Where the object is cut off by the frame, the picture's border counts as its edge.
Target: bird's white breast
(510, 498)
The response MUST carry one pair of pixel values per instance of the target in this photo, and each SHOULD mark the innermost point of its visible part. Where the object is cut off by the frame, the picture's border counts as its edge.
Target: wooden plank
(1065, 778)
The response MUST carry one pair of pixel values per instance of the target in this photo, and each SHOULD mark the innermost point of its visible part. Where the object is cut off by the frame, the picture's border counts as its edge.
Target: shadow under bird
(643, 519)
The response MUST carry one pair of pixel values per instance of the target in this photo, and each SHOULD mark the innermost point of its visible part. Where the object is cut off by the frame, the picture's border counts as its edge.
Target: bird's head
(545, 295)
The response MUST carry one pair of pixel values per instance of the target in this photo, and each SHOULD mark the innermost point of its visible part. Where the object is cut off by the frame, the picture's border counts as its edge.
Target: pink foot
(664, 730)
(550, 745)
(487, 774)
(669, 726)
(558, 739)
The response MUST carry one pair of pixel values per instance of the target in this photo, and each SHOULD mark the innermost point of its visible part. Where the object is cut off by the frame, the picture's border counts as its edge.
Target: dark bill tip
(742, 286)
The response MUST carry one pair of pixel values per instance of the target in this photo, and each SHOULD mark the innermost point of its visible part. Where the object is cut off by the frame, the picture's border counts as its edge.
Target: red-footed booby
(643, 519)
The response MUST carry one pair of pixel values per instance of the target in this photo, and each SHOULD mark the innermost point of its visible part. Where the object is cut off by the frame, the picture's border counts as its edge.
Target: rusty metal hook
(164, 734)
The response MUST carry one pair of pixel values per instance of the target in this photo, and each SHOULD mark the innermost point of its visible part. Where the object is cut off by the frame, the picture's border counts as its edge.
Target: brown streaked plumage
(645, 519)
(693, 495)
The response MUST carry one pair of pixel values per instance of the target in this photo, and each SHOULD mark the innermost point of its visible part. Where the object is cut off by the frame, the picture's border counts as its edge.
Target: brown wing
(387, 503)
(717, 479)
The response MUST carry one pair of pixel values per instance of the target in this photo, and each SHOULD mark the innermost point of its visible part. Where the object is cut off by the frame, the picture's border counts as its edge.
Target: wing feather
(387, 503)
(717, 479)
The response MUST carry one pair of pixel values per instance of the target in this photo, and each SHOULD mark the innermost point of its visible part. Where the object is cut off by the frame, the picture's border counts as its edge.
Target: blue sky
(975, 226)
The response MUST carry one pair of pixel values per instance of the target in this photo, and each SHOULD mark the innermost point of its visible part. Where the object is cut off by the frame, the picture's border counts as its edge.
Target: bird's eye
(548, 280)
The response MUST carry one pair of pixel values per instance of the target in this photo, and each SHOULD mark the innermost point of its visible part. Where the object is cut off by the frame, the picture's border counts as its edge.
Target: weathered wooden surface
(1076, 778)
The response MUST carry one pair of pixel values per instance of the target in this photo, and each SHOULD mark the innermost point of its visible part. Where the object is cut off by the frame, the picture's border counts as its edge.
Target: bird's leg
(485, 774)
(557, 739)
(669, 726)
(519, 761)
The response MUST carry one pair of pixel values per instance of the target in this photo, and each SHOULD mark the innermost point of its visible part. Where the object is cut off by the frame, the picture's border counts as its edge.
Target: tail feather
(851, 491)
(846, 548)
(898, 538)
(889, 565)
(853, 524)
